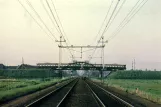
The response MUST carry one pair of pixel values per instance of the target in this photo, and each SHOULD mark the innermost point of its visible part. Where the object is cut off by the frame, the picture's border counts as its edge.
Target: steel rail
(66, 94)
(95, 96)
(41, 98)
(114, 96)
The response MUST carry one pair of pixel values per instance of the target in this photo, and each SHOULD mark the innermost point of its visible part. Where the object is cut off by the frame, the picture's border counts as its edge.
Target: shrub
(135, 75)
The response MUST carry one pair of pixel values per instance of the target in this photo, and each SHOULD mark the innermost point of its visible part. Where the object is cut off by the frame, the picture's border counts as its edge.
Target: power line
(104, 20)
(60, 22)
(128, 20)
(132, 15)
(116, 13)
(109, 19)
(129, 13)
(56, 23)
(40, 18)
(91, 56)
(61, 26)
(53, 16)
(106, 26)
(49, 15)
(34, 19)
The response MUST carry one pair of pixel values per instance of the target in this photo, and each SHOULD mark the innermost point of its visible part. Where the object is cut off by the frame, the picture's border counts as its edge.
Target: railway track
(80, 96)
(55, 97)
(80, 93)
(107, 98)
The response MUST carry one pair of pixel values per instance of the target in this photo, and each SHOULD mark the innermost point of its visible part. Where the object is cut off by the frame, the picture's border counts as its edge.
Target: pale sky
(81, 20)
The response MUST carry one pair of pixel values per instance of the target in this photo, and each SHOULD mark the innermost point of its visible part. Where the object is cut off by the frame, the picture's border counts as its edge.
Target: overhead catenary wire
(82, 51)
(61, 27)
(57, 24)
(53, 16)
(106, 26)
(125, 21)
(91, 57)
(116, 14)
(60, 22)
(104, 31)
(42, 3)
(30, 5)
(73, 58)
(28, 2)
(104, 21)
(129, 13)
(35, 20)
(128, 20)
(132, 13)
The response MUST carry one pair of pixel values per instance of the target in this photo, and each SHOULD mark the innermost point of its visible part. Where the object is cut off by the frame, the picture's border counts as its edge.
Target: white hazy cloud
(81, 19)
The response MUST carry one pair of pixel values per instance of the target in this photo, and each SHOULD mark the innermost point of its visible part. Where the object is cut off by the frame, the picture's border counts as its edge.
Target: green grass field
(148, 89)
(10, 88)
(146, 84)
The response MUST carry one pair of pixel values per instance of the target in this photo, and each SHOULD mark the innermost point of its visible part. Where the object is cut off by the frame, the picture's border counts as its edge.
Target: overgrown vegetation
(11, 88)
(149, 89)
(146, 84)
(135, 75)
(28, 73)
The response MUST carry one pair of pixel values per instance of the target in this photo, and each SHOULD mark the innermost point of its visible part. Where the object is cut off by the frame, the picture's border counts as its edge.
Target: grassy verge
(12, 88)
(148, 89)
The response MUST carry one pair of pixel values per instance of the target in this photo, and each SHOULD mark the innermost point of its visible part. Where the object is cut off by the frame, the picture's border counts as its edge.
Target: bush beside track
(14, 88)
(28, 73)
(135, 75)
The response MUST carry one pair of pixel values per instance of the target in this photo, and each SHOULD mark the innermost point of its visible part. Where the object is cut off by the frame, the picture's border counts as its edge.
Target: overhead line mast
(102, 51)
(60, 51)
